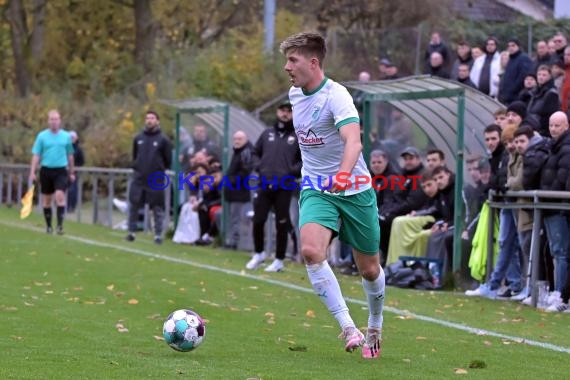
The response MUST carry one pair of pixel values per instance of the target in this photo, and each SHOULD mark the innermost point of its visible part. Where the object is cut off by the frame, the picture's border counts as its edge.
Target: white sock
(374, 291)
(326, 286)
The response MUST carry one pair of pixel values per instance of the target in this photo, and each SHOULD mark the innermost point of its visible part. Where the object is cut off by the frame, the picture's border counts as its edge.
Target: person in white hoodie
(486, 69)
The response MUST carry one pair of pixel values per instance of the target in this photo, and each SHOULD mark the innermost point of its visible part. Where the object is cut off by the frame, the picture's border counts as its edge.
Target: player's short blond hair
(306, 43)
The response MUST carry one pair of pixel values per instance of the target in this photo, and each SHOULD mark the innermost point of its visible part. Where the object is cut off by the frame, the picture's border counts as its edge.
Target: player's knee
(370, 272)
(312, 254)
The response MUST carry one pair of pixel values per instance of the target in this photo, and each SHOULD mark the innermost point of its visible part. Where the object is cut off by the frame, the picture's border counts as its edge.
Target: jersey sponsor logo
(309, 138)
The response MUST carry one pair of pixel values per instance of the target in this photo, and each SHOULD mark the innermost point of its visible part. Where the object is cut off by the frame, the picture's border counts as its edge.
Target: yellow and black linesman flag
(27, 203)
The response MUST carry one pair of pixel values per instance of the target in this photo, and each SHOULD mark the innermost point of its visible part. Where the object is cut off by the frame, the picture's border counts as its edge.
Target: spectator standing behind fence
(486, 69)
(238, 196)
(152, 153)
(436, 45)
(201, 142)
(79, 160)
(542, 57)
(544, 100)
(555, 176)
(508, 261)
(463, 57)
(53, 152)
(534, 151)
(277, 155)
(518, 67)
(529, 85)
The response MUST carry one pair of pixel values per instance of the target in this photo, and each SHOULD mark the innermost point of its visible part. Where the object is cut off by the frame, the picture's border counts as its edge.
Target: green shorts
(354, 217)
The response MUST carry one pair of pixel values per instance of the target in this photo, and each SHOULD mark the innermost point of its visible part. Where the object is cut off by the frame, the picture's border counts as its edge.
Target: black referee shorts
(52, 179)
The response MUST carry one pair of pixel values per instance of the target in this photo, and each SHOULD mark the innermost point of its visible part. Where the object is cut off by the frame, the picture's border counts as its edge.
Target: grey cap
(412, 151)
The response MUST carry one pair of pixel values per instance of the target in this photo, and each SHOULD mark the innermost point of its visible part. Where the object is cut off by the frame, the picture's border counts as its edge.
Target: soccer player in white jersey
(327, 126)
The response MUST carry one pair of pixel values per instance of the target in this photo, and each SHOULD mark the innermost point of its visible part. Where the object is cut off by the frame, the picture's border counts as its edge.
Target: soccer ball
(184, 330)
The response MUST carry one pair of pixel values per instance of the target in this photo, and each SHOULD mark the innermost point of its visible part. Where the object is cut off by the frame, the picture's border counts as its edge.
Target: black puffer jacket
(499, 162)
(544, 101)
(534, 158)
(555, 175)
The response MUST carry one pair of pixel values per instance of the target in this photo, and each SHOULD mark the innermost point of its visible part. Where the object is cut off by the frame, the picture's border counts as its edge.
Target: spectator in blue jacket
(519, 66)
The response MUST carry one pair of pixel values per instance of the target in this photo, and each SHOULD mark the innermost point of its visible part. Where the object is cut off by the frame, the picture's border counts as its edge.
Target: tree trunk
(144, 34)
(16, 16)
(39, 13)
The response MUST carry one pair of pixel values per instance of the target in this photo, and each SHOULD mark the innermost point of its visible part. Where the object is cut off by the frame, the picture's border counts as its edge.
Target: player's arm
(350, 135)
(36, 154)
(34, 167)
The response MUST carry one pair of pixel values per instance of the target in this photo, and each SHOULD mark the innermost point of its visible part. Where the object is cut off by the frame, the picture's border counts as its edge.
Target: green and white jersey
(317, 117)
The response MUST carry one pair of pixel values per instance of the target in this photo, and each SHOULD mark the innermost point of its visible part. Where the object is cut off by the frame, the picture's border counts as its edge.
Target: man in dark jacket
(518, 67)
(278, 158)
(405, 198)
(440, 243)
(79, 160)
(544, 100)
(555, 176)
(152, 153)
(499, 157)
(238, 195)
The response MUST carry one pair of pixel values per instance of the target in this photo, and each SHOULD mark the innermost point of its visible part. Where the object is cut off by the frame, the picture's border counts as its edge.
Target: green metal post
(458, 214)
(176, 170)
(366, 129)
(225, 163)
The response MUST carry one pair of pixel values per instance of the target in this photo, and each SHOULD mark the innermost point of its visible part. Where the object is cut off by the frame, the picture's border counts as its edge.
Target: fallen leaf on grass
(439, 311)
(133, 301)
(268, 314)
(306, 324)
(478, 364)
(406, 360)
(113, 362)
(421, 338)
(16, 337)
(298, 348)
(518, 319)
(10, 308)
(154, 316)
(460, 371)
(120, 328)
(111, 287)
(156, 337)
(487, 343)
(405, 317)
(310, 314)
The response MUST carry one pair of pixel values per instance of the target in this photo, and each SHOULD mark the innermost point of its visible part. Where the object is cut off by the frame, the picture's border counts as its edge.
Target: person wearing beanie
(529, 85)
(516, 112)
(518, 67)
(544, 100)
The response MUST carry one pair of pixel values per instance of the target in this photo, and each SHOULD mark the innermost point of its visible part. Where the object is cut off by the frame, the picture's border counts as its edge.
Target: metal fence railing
(537, 201)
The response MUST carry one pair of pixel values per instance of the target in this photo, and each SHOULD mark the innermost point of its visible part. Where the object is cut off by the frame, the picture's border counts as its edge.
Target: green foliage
(209, 48)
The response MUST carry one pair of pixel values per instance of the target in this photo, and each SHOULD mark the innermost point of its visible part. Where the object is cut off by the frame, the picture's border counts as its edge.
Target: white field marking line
(424, 318)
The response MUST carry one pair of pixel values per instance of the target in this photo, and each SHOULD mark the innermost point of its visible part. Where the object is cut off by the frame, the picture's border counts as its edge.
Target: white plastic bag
(188, 229)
